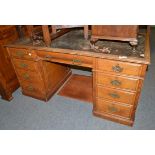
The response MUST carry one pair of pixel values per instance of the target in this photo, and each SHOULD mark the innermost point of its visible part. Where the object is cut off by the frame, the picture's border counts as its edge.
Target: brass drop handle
(26, 76)
(30, 88)
(23, 65)
(117, 68)
(112, 109)
(114, 95)
(76, 61)
(116, 83)
(20, 53)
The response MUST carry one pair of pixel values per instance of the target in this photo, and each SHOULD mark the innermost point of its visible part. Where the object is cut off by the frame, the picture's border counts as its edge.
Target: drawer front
(116, 95)
(117, 81)
(29, 76)
(56, 57)
(113, 108)
(25, 64)
(83, 61)
(118, 67)
(22, 53)
(33, 89)
(67, 58)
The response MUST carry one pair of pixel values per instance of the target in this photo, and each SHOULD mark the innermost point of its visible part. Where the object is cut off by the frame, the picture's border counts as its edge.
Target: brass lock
(114, 95)
(20, 53)
(112, 109)
(23, 65)
(26, 76)
(116, 83)
(117, 68)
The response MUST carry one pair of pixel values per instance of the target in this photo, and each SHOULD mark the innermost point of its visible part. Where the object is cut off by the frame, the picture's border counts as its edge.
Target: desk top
(73, 42)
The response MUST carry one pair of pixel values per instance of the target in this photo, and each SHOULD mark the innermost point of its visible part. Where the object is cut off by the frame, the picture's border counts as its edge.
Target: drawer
(83, 61)
(116, 95)
(113, 108)
(119, 67)
(24, 75)
(25, 64)
(56, 57)
(22, 53)
(117, 81)
(67, 58)
(33, 89)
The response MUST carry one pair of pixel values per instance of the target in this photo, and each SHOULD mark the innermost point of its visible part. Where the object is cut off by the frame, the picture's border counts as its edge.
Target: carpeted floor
(24, 113)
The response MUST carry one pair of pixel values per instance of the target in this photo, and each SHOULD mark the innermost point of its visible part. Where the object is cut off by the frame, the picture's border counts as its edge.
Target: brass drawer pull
(30, 88)
(26, 76)
(112, 109)
(117, 68)
(114, 95)
(48, 56)
(76, 61)
(20, 53)
(116, 83)
(23, 65)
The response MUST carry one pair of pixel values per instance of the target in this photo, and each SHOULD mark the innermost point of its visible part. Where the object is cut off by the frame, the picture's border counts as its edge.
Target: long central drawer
(67, 58)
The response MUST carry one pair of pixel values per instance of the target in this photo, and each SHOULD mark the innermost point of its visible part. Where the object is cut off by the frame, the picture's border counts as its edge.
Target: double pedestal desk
(117, 75)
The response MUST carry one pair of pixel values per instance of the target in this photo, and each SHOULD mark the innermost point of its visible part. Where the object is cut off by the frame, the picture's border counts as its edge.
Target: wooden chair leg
(54, 29)
(29, 30)
(86, 31)
(46, 35)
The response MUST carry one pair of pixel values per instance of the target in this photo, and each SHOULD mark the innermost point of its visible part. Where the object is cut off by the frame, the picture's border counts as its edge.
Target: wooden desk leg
(86, 31)
(46, 35)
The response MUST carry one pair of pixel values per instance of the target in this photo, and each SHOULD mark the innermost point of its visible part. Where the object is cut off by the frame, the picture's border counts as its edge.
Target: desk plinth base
(114, 118)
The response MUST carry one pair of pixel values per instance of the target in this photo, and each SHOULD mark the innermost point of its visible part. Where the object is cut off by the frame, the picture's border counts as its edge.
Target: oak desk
(118, 72)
